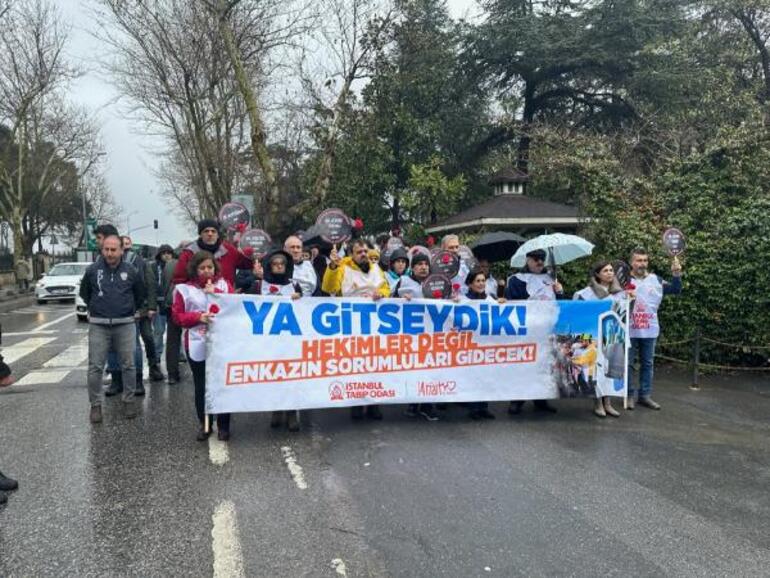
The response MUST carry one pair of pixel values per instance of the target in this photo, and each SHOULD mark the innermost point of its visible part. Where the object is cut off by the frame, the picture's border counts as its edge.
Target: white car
(80, 307)
(61, 282)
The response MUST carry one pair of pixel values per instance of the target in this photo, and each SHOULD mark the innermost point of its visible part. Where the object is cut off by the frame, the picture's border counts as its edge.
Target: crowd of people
(132, 303)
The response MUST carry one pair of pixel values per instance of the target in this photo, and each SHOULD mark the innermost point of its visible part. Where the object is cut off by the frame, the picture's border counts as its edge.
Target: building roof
(508, 175)
(512, 211)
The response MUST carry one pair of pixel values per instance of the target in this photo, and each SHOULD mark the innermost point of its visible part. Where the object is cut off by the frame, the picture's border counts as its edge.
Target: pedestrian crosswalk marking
(72, 357)
(15, 352)
(43, 377)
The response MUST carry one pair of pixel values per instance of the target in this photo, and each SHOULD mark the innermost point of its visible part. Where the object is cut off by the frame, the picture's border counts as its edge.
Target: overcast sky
(129, 163)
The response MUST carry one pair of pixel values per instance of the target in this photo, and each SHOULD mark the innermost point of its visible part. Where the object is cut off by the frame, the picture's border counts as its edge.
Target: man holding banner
(355, 276)
(533, 283)
(304, 273)
(645, 327)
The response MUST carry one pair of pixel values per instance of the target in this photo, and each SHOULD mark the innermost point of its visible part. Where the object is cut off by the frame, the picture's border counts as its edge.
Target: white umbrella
(560, 248)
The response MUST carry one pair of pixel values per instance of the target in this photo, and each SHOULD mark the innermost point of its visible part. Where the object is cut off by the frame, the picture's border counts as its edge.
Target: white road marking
(219, 454)
(228, 558)
(19, 350)
(23, 333)
(294, 468)
(40, 328)
(339, 567)
(43, 377)
(73, 357)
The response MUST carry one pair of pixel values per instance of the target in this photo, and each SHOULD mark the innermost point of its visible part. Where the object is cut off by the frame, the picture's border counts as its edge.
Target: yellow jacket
(348, 280)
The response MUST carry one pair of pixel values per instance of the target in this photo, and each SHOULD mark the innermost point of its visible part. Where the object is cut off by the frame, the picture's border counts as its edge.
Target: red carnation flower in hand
(273, 289)
(455, 287)
(214, 308)
(240, 227)
(437, 294)
(358, 224)
(249, 252)
(630, 286)
(446, 258)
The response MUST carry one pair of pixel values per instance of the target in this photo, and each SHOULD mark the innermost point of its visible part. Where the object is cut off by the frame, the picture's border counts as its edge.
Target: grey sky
(129, 163)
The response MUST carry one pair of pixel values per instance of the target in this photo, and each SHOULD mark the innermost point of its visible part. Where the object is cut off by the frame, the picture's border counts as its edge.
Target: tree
(32, 72)
(419, 105)
(563, 60)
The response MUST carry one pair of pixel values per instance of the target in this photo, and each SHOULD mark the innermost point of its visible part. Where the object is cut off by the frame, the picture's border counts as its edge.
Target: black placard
(437, 286)
(257, 239)
(674, 242)
(334, 226)
(445, 263)
(233, 214)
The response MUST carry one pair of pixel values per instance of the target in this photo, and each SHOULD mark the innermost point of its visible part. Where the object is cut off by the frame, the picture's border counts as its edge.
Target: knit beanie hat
(206, 224)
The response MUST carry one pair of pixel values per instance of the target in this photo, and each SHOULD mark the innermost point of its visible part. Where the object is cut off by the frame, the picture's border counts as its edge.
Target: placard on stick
(257, 239)
(437, 286)
(674, 242)
(231, 215)
(445, 263)
(334, 226)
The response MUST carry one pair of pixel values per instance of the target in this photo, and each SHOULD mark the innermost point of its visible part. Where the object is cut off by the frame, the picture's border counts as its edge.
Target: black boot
(543, 405)
(7, 484)
(155, 373)
(3, 498)
(116, 386)
(139, 391)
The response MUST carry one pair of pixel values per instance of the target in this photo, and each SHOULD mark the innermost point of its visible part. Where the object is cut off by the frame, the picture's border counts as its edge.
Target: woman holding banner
(277, 281)
(190, 310)
(602, 285)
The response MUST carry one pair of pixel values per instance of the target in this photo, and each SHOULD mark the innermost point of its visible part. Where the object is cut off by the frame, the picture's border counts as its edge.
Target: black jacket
(112, 295)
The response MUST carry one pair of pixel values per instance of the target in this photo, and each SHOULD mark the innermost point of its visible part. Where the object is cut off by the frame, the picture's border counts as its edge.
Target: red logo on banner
(335, 391)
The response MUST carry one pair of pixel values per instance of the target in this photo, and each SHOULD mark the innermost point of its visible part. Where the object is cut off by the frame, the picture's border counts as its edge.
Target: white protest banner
(272, 353)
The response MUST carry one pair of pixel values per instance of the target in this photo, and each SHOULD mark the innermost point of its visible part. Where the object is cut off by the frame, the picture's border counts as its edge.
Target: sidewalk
(11, 298)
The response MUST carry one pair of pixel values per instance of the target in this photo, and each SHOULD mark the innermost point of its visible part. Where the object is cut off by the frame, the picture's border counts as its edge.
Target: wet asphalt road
(681, 492)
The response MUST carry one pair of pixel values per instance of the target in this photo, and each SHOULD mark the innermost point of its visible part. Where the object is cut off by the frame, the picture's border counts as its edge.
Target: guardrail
(695, 362)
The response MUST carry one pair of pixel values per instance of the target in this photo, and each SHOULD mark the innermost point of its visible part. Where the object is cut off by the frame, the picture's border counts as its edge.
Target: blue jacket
(112, 295)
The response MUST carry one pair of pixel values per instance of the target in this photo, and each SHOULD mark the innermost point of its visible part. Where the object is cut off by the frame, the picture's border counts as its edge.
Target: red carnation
(358, 225)
(214, 308)
(455, 287)
(630, 286)
(273, 289)
(446, 258)
(430, 241)
(437, 294)
(240, 227)
(249, 252)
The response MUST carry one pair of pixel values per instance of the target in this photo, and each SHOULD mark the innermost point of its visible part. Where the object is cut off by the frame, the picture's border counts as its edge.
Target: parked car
(62, 282)
(80, 307)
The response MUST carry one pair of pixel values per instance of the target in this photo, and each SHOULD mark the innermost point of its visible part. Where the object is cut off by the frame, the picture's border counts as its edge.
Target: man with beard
(227, 256)
(645, 326)
(533, 283)
(304, 273)
(355, 276)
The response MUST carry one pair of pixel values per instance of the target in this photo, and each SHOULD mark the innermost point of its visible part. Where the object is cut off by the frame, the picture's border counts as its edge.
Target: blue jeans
(113, 340)
(158, 329)
(644, 348)
(112, 357)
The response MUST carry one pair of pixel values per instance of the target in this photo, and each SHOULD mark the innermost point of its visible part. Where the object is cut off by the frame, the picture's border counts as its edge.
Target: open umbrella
(560, 248)
(497, 245)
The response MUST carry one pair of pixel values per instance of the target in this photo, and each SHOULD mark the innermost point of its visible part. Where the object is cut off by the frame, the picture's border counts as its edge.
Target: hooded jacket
(271, 284)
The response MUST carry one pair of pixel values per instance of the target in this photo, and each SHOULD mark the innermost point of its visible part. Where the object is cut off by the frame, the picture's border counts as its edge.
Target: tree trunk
(258, 136)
